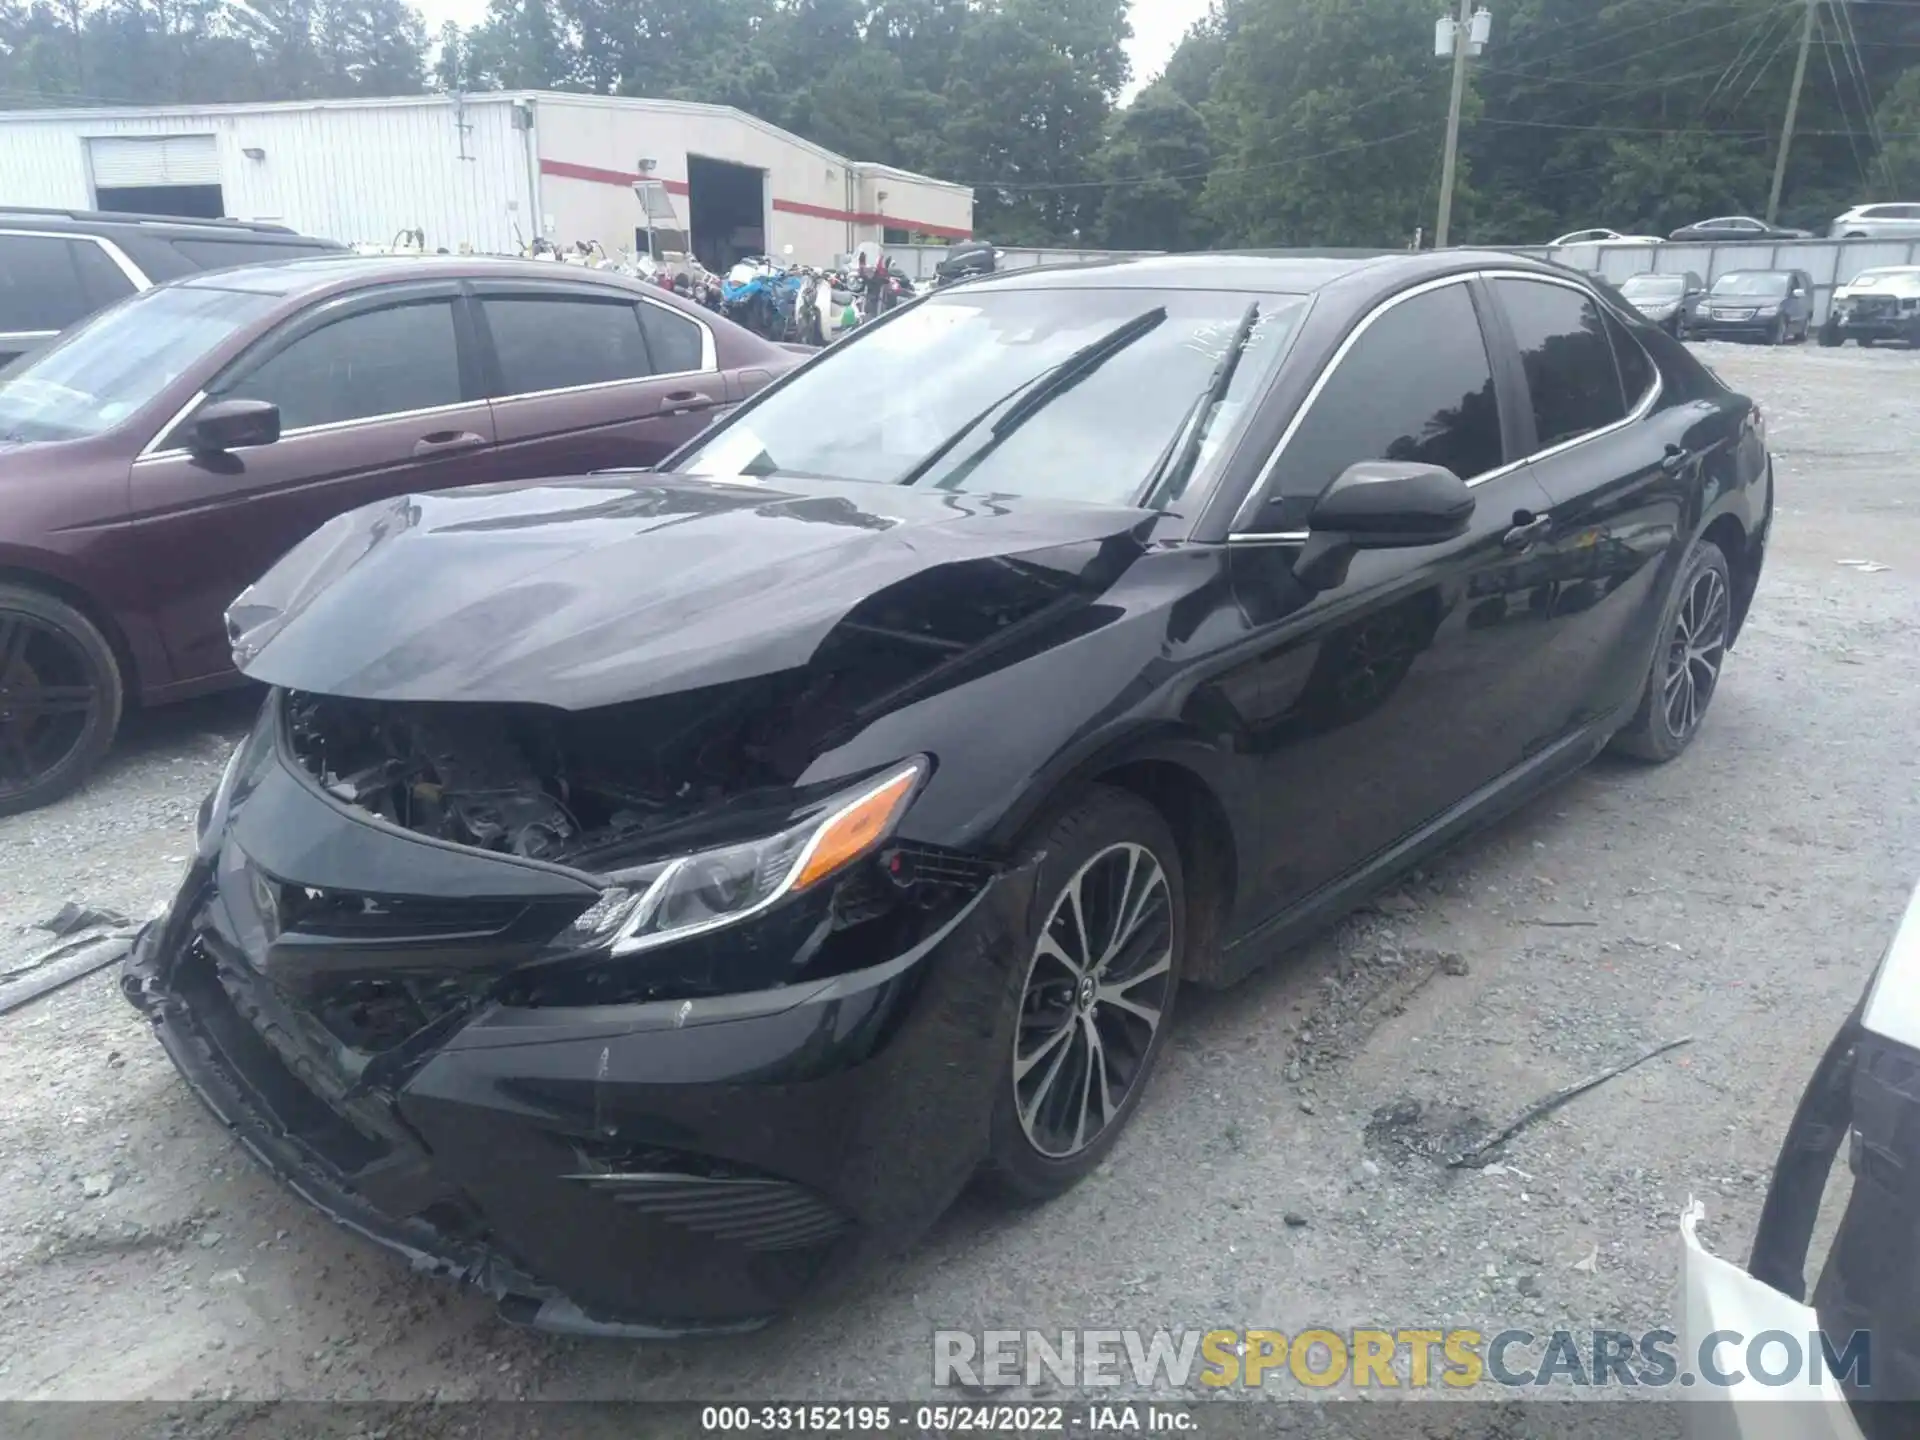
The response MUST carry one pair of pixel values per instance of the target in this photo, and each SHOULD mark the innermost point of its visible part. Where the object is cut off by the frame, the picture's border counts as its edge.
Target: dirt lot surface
(1739, 896)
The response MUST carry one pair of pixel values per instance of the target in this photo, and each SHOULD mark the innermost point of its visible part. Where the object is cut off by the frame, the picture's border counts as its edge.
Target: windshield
(1751, 282)
(1069, 394)
(104, 371)
(1653, 287)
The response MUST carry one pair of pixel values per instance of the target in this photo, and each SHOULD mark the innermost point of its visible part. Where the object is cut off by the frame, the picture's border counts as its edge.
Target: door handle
(443, 442)
(1528, 530)
(1677, 458)
(681, 402)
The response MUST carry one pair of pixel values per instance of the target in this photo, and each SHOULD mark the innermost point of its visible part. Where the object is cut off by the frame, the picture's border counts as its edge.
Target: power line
(1024, 187)
(1839, 96)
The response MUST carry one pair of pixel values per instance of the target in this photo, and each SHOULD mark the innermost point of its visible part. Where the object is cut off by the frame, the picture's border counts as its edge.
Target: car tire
(1777, 332)
(1830, 336)
(1038, 1142)
(48, 646)
(1866, 342)
(1671, 709)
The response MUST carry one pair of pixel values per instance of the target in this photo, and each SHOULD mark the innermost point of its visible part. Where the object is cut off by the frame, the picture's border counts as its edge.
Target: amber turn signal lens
(856, 828)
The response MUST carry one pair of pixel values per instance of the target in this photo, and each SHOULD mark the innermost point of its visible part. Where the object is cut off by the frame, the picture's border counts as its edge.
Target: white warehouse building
(482, 172)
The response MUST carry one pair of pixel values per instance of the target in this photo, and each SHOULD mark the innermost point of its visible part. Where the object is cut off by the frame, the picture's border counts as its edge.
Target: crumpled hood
(586, 592)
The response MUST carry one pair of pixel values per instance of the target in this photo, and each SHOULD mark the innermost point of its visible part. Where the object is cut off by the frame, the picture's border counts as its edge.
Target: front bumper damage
(683, 1164)
(1865, 1093)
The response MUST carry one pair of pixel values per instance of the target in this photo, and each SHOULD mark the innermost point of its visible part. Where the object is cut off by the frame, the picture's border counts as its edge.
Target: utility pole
(1793, 108)
(1462, 47)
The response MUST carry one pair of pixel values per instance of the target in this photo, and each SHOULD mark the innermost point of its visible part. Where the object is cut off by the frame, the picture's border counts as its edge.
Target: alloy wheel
(1096, 990)
(1695, 651)
(48, 700)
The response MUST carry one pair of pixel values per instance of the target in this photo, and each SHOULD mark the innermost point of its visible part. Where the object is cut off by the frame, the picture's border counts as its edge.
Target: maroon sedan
(157, 460)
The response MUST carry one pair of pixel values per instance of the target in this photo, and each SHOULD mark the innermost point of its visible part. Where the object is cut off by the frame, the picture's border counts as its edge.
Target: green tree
(1155, 163)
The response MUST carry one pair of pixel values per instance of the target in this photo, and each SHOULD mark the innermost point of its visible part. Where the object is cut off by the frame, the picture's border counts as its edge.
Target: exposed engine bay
(525, 780)
(587, 788)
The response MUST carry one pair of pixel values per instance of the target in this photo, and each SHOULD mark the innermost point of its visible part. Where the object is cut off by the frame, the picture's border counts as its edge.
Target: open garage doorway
(157, 175)
(727, 210)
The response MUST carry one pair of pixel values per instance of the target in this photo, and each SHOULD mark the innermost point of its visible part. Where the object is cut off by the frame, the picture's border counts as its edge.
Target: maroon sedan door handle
(680, 402)
(442, 442)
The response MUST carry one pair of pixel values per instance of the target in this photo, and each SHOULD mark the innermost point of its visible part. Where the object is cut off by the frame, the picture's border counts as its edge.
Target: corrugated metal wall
(346, 171)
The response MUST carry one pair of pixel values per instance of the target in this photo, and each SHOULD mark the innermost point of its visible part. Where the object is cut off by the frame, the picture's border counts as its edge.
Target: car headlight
(674, 899)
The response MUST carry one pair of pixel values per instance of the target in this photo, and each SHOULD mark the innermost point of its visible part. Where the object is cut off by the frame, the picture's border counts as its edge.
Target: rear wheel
(1094, 996)
(60, 698)
(1686, 666)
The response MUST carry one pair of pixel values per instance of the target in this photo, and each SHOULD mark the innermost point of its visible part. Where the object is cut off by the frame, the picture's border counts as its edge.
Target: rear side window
(558, 343)
(1416, 386)
(40, 285)
(378, 362)
(1636, 367)
(673, 340)
(1572, 380)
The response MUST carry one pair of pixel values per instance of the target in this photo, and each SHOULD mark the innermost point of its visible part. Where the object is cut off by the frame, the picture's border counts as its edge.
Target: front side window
(106, 370)
(103, 280)
(1572, 381)
(553, 342)
(40, 288)
(1416, 386)
(1107, 396)
(377, 362)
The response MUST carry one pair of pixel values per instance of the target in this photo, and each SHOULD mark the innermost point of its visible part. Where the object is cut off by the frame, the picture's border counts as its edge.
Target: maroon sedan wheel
(60, 698)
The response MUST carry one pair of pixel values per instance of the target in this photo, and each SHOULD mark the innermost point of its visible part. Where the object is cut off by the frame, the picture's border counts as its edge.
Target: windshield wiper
(1170, 472)
(1027, 399)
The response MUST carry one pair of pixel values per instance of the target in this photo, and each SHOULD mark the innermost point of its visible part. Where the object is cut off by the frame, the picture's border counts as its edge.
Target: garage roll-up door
(162, 160)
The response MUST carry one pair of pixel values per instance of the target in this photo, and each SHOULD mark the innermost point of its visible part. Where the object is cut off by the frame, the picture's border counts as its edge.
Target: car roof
(1279, 272)
(311, 274)
(172, 226)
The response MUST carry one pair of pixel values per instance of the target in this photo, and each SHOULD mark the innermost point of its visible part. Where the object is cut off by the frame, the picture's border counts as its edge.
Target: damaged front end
(628, 1055)
(591, 913)
(1860, 1337)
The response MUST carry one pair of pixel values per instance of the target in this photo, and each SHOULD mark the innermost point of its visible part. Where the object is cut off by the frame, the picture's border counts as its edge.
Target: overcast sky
(1157, 28)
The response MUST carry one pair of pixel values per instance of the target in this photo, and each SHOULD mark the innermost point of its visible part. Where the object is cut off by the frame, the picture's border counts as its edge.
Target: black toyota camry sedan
(646, 894)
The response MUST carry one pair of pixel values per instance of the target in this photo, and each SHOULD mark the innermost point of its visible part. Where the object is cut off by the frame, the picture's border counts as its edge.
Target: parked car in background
(1878, 222)
(59, 266)
(1737, 227)
(1771, 305)
(1667, 300)
(1875, 305)
(156, 460)
(647, 895)
(1603, 237)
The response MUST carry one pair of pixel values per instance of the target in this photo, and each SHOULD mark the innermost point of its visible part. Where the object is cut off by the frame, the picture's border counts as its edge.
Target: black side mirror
(1381, 505)
(234, 425)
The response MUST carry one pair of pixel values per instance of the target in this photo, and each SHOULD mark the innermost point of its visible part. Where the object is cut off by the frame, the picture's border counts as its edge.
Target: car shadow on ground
(147, 734)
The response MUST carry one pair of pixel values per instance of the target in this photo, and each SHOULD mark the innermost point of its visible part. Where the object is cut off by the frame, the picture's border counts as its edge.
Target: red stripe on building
(859, 217)
(566, 170)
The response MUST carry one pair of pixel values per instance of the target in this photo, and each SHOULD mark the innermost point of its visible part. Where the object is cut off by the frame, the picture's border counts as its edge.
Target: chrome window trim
(331, 427)
(1261, 481)
(28, 334)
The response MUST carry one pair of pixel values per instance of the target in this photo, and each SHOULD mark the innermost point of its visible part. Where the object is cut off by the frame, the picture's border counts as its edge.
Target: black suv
(59, 266)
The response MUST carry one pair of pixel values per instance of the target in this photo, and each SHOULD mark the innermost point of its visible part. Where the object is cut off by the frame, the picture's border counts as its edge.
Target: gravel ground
(1739, 896)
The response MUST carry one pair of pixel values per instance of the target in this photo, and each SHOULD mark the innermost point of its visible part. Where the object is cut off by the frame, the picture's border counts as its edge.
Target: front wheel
(1094, 995)
(1830, 336)
(1695, 633)
(1777, 332)
(60, 698)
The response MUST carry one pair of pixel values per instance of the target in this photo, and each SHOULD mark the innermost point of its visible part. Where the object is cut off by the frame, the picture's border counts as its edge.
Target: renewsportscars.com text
(1416, 1359)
